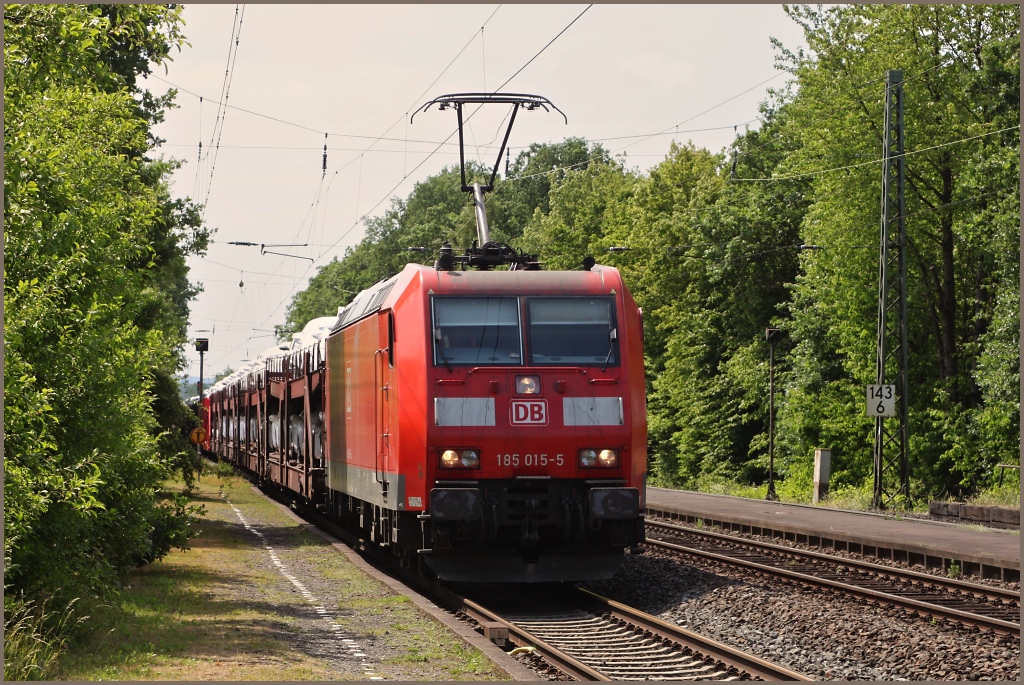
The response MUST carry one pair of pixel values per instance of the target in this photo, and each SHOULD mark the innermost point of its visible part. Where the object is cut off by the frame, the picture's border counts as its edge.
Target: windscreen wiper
(440, 348)
(612, 337)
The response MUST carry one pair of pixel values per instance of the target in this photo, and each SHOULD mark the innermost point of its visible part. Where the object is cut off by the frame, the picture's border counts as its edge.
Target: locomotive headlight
(608, 458)
(449, 459)
(460, 459)
(469, 459)
(599, 459)
(527, 385)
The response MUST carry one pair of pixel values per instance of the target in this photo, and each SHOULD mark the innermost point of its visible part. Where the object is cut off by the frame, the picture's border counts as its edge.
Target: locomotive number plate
(529, 412)
(517, 459)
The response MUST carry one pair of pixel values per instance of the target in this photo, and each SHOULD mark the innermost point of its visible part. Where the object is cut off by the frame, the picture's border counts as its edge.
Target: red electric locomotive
(491, 421)
(489, 424)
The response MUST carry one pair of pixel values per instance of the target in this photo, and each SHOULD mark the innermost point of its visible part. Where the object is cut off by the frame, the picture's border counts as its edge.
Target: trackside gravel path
(260, 597)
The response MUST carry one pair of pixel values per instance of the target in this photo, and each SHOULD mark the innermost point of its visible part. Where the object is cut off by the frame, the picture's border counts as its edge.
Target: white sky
(354, 71)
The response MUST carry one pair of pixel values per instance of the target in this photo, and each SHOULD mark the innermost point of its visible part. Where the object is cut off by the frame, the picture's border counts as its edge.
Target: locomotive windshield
(479, 331)
(572, 331)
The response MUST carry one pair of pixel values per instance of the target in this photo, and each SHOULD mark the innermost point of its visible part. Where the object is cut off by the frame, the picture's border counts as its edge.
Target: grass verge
(33, 638)
(856, 498)
(222, 611)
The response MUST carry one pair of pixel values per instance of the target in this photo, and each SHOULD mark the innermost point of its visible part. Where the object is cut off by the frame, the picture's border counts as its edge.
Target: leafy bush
(95, 301)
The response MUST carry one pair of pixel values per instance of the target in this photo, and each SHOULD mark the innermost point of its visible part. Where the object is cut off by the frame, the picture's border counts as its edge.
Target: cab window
(572, 331)
(477, 331)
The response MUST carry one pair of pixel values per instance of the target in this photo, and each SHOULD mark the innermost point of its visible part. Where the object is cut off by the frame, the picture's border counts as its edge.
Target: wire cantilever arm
(264, 250)
(293, 256)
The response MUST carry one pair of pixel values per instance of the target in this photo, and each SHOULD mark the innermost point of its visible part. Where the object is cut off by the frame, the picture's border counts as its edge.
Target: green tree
(436, 211)
(95, 296)
(961, 65)
(709, 263)
(535, 171)
(584, 210)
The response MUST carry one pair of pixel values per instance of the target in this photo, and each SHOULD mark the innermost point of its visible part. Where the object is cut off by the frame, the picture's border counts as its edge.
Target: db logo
(530, 412)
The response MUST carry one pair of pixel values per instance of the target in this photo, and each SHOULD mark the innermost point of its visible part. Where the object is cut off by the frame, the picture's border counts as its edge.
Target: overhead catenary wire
(485, 146)
(671, 130)
(702, 113)
(803, 247)
(395, 187)
(218, 126)
(235, 268)
(407, 140)
(818, 172)
(645, 136)
(381, 137)
(403, 173)
(548, 45)
(674, 248)
(790, 176)
(445, 141)
(378, 138)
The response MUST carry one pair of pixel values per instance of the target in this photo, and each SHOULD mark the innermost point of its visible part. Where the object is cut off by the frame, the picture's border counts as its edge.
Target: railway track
(577, 633)
(971, 604)
(589, 637)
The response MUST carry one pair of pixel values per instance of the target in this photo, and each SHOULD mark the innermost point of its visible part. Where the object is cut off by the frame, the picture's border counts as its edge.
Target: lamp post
(202, 345)
(772, 335)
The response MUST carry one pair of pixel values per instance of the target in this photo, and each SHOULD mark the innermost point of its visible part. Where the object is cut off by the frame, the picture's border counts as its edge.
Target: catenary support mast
(891, 458)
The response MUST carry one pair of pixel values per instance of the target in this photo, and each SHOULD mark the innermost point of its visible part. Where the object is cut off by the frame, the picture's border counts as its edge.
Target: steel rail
(630, 619)
(950, 584)
(734, 661)
(592, 638)
(923, 608)
(748, 663)
(564, 662)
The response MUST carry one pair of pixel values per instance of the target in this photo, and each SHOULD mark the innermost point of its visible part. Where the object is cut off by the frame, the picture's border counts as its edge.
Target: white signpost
(881, 400)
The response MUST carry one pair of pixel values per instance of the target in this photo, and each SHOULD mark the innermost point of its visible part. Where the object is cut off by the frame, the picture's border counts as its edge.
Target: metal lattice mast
(892, 462)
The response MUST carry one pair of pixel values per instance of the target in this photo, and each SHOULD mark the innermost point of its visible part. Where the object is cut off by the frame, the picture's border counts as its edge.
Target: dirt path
(260, 597)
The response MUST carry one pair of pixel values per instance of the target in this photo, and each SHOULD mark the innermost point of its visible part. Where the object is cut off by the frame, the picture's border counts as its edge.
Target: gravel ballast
(824, 634)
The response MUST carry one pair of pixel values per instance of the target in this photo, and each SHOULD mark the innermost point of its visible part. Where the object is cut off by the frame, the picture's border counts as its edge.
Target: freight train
(486, 423)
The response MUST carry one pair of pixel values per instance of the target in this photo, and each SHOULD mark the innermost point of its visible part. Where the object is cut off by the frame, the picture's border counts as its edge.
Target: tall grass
(220, 469)
(858, 497)
(34, 637)
(1007, 495)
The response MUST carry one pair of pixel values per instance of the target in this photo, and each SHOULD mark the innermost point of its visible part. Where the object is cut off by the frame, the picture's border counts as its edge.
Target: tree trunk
(947, 294)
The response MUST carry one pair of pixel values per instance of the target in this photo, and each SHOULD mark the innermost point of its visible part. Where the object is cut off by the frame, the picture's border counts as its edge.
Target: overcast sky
(355, 72)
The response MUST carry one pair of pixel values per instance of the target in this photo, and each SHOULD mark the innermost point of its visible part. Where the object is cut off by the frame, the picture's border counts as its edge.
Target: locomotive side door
(383, 363)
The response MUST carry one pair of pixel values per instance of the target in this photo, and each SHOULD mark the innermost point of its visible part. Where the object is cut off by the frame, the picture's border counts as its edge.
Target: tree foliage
(95, 300)
(781, 230)
(437, 211)
(961, 92)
